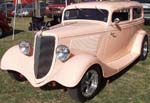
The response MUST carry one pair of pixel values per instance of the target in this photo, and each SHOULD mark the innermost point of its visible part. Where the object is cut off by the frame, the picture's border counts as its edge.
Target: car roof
(108, 5)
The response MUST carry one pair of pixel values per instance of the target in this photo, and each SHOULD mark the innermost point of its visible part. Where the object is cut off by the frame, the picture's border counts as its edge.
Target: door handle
(113, 34)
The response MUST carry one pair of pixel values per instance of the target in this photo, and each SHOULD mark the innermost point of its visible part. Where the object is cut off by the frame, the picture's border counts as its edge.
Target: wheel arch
(136, 43)
(76, 70)
(98, 67)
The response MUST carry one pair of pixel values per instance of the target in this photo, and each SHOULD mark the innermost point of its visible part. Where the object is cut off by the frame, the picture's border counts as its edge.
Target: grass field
(131, 87)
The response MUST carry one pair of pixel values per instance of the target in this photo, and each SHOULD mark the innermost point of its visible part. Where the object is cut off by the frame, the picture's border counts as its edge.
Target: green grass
(131, 87)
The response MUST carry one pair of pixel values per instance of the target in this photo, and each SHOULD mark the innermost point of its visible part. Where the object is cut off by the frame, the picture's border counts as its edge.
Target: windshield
(86, 14)
(142, 1)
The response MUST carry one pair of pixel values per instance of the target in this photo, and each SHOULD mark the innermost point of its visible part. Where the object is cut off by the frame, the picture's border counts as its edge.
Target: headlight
(25, 48)
(62, 52)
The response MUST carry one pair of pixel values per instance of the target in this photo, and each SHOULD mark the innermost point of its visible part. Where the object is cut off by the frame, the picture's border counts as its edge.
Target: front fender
(14, 60)
(71, 72)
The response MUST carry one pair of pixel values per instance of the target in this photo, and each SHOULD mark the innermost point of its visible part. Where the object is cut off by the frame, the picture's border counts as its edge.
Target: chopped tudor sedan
(94, 41)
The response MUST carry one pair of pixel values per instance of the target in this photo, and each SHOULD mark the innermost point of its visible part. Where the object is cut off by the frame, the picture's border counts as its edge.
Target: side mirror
(116, 20)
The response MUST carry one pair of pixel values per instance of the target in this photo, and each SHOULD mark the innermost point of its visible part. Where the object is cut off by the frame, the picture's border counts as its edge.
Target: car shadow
(11, 33)
(110, 79)
(118, 75)
(50, 87)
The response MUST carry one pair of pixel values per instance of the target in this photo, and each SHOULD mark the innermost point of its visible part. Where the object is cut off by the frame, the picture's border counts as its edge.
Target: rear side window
(122, 15)
(137, 13)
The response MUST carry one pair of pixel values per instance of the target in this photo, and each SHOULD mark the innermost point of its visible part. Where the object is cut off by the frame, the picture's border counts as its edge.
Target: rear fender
(137, 42)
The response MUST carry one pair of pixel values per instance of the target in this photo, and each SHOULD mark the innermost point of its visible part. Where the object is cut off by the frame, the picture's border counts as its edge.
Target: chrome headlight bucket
(62, 52)
(25, 47)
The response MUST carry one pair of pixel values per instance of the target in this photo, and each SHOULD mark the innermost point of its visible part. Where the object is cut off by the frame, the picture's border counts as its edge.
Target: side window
(137, 13)
(122, 15)
(71, 14)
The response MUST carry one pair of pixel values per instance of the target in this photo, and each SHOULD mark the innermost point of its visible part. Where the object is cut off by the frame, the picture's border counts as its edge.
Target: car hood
(75, 29)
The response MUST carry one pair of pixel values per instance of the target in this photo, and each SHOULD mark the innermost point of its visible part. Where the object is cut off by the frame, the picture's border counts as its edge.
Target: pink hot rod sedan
(94, 41)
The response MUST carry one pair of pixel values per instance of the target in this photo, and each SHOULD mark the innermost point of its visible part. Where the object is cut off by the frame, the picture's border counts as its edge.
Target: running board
(123, 61)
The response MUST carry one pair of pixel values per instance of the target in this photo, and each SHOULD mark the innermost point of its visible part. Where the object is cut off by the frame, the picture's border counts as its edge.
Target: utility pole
(37, 8)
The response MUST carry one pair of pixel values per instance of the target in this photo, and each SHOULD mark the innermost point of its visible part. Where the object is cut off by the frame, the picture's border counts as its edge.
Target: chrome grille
(44, 51)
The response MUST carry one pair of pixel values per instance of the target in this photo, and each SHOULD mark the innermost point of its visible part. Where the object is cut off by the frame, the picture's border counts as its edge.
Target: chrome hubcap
(145, 49)
(89, 83)
(1, 32)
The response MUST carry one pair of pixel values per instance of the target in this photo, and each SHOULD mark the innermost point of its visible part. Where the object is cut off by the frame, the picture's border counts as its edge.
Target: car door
(119, 35)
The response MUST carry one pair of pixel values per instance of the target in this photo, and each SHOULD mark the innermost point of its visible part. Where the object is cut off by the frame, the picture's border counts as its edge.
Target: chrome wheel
(89, 83)
(1, 32)
(145, 48)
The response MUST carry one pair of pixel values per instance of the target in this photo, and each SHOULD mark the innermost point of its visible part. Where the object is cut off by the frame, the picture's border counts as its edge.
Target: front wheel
(144, 49)
(91, 83)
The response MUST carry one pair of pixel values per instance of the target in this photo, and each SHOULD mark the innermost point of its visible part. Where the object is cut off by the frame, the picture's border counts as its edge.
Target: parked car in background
(146, 6)
(4, 26)
(29, 10)
(94, 41)
(7, 8)
(56, 7)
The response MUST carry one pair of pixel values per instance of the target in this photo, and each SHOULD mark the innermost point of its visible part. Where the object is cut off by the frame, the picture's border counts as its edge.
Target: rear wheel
(17, 76)
(144, 49)
(91, 83)
(1, 32)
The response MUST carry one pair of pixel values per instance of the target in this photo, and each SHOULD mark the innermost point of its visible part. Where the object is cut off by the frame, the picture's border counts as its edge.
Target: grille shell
(44, 52)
